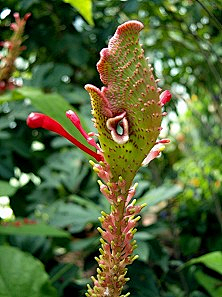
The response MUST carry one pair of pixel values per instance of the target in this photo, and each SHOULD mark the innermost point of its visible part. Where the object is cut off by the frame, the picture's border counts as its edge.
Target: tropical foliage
(50, 200)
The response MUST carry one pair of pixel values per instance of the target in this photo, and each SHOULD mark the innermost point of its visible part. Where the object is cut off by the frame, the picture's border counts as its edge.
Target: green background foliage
(47, 187)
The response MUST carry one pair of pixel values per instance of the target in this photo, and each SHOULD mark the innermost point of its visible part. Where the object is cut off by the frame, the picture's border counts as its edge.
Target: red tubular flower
(39, 120)
(76, 121)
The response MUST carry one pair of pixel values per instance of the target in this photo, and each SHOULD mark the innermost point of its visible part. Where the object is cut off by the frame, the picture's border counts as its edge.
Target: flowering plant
(127, 113)
(13, 48)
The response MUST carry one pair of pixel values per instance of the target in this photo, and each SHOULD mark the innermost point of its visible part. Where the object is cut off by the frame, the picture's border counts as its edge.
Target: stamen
(39, 120)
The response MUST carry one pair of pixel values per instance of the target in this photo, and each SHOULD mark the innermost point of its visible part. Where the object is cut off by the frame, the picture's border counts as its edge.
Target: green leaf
(84, 244)
(212, 285)
(142, 251)
(53, 105)
(142, 280)
(21, 275)
(160, 194)
(11, 96)
(77, 53)
(65, 272)
(6, 189)
(198, 294)
(84, 8)
(212, 260)
(38, 229)
(143, 236)
(58, 167)
(69, 215)
(5, 97)
(189, 244)
(50, 74)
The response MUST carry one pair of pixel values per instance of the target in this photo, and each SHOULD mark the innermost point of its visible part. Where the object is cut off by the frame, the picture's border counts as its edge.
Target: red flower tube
(39, 120)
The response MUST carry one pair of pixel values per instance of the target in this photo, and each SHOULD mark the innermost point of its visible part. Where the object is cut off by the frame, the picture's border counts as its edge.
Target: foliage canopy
(52, 191)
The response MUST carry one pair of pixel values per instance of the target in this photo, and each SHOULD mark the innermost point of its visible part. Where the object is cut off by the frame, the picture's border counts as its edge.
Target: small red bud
(27, 16)
(16, 16)
(165, 97)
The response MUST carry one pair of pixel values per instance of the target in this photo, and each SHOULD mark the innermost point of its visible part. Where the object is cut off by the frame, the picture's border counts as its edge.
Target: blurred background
(49, 196)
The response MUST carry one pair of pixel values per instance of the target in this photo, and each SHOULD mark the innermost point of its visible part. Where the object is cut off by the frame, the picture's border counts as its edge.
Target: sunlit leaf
(84, 8)
(6, 189)
(211, 260)
(212, 285)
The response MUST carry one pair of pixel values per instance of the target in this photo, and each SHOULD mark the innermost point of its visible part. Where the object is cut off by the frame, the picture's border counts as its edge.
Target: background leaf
(159, 194)
(49, 104)
(84, 8)
(33, 281)
(211, 260)
(6, 189)
(33, 229)
(212, 285)
(75, 217)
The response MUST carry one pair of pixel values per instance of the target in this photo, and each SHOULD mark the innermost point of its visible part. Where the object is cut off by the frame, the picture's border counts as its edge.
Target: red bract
(39, 120)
